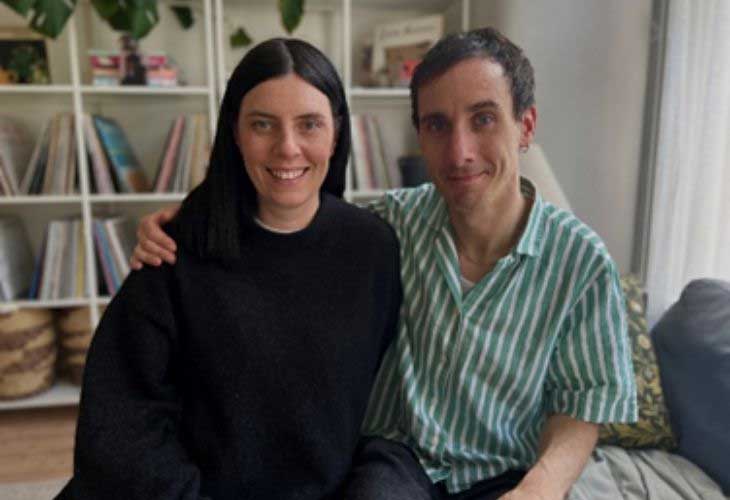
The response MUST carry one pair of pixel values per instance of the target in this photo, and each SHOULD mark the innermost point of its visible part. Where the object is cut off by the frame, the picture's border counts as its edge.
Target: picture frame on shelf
(398, 47)
(23, 57)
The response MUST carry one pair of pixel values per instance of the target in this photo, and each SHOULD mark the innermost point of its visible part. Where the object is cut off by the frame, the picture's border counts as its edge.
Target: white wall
(590, 59)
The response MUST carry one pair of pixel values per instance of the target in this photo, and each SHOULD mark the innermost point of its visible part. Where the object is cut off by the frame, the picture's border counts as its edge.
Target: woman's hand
(153, 244)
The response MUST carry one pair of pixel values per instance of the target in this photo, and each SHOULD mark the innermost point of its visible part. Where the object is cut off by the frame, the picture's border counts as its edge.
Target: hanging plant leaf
(291, 13)
(48, 16)
(137, 17)
(184, 15)
(22, 7)
(240, 38)
(105, 8)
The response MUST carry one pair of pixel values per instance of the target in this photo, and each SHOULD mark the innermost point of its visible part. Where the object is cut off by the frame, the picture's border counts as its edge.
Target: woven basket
(75, 336)
(27, 352)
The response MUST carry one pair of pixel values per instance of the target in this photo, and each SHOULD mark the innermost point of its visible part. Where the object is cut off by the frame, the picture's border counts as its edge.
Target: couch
(680, 447)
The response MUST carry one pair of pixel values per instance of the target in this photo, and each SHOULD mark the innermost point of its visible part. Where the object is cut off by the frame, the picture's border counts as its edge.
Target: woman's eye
(261, 125)
(311, 125)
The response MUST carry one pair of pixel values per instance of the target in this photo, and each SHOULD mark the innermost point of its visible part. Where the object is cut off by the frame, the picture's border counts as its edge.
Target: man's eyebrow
(479, 106)
(431, 116)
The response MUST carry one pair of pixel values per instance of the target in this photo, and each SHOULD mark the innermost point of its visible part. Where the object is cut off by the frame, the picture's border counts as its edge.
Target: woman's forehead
(286, 95)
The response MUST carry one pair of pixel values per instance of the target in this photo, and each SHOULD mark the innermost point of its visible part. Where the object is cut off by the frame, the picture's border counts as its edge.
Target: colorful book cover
(121, 155)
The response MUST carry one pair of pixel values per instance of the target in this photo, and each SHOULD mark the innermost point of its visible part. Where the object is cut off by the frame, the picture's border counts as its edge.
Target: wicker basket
(27, 352)
(75, 335)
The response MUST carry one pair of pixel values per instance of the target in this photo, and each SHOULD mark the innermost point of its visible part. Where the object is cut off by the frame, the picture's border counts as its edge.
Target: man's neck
(487, 232)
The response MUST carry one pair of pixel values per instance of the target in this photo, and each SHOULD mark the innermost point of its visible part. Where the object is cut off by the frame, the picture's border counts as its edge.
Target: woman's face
(286, 135)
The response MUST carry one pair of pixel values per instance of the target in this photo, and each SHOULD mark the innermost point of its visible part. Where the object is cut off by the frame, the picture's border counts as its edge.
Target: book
(15, 150)
(182, 179)
(16, 261)
(124, 162)
(99, 163)
(200, 152)
(36, 158)
(102, 252)
(169, 160)
(50, 164)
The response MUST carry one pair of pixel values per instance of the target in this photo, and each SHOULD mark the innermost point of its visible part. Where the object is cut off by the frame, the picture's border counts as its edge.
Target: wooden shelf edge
(62, 393)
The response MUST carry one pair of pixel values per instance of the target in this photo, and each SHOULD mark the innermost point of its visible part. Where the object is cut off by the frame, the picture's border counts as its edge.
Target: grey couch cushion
(692, 341)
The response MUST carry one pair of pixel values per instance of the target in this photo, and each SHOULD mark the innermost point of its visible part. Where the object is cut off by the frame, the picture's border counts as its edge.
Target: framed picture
(398, 47)
(23, 57)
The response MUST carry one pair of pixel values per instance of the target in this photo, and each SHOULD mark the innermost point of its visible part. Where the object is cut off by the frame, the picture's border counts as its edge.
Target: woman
(244, 370)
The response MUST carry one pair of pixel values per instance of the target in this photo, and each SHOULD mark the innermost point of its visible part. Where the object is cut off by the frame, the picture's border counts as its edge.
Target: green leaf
(106, 8)
(240, 38)
(50, 16)
(184, 15)
(22, 7)
(143, 18)
(136, 17)
(291, 13)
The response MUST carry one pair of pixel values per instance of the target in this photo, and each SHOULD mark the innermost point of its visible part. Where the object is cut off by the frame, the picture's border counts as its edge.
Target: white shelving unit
(336, 26)
(145, 113)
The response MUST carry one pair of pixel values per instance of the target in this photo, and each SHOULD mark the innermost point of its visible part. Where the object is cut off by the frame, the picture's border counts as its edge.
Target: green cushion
(652, 429)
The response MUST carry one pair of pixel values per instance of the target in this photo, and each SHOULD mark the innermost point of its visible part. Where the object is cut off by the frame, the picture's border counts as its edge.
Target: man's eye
(483, 119)
(435, 125)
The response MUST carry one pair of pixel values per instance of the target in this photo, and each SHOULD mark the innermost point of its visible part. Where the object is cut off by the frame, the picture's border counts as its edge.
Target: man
(512, 344)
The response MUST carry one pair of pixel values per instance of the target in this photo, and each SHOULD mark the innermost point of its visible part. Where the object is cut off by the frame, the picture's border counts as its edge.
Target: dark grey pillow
(692, 342)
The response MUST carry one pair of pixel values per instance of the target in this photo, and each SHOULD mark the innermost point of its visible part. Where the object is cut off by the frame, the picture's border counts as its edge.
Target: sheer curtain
(690, 222)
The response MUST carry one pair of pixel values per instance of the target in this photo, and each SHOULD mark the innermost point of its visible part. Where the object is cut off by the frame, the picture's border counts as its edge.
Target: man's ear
(528, 122)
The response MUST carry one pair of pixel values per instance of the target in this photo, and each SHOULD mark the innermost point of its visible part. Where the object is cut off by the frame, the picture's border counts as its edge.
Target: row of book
(60, 271)
(116, 169)
(51, 165)
(372, 168)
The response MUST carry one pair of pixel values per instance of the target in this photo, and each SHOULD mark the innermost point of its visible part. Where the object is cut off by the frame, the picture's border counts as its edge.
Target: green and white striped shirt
(472, 376)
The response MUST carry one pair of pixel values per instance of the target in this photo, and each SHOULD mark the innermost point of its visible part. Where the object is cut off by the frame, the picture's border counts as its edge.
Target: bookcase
(338, 27)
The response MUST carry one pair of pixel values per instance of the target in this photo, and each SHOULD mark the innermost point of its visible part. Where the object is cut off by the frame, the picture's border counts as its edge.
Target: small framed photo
(23, 57)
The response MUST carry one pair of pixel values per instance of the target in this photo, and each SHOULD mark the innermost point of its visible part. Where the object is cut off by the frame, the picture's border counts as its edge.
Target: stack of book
(52, 167)
(372, 166)
(114, 240)
(61, 266)
(114, 165)
(184, 158)
(15, 148)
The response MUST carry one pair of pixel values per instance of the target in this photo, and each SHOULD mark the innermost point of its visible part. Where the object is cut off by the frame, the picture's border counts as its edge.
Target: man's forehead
(467, 83)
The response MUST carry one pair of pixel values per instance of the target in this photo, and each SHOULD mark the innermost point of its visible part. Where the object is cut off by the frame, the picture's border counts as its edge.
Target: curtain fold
(690, 230)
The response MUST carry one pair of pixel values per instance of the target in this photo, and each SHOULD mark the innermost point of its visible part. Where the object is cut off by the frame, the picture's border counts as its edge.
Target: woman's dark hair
(219, 212)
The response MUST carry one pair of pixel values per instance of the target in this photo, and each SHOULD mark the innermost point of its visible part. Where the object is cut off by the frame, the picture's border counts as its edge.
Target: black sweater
(248, 380)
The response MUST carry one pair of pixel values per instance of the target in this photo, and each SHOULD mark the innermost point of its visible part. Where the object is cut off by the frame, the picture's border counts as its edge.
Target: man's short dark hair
(484, 42)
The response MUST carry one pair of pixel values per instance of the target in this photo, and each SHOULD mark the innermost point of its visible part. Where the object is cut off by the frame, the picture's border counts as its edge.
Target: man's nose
(461, 146)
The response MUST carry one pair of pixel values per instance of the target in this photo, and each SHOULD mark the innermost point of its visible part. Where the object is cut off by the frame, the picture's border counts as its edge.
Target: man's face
(469, 135)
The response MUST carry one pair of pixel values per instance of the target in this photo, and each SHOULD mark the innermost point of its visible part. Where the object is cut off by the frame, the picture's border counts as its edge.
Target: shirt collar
(530, 242)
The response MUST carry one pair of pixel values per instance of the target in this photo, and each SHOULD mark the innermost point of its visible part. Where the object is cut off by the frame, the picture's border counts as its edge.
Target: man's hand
(153, 245)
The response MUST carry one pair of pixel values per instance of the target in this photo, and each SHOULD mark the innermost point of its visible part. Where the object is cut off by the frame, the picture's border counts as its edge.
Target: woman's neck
(287, 220)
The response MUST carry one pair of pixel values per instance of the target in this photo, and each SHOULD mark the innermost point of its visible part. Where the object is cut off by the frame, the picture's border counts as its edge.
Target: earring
(523, 149)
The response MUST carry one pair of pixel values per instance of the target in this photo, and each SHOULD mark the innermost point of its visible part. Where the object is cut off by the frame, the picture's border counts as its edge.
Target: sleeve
(590, 376)
(127, 444)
